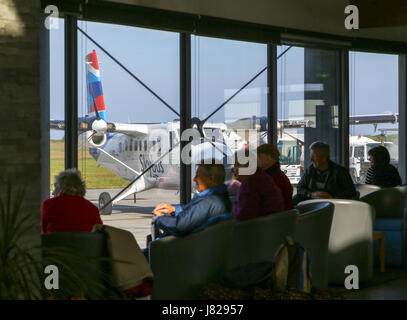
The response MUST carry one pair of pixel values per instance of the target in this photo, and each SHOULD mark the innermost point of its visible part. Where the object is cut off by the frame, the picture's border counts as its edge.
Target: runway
(134, 217)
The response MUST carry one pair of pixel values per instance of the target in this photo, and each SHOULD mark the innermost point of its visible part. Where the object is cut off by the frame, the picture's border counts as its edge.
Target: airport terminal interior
(113, 88)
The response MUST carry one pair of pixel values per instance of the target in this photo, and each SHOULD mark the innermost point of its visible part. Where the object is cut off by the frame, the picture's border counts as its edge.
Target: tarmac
(134, 217)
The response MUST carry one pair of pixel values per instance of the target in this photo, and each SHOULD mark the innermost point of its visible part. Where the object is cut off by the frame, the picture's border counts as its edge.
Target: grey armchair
(365, 189)
(312, 231)
(79, 254)
(350, 240)
(391, 217)
(258, 239)
(183, 265)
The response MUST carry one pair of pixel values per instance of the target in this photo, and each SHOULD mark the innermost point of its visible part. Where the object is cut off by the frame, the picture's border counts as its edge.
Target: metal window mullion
(403, 117)
(185, 112)
(272, 93)
(71, 92)
(343, 143)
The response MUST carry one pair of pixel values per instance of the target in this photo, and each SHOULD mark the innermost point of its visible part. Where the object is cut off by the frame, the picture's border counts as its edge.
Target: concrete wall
(326, 16)
(20, 112)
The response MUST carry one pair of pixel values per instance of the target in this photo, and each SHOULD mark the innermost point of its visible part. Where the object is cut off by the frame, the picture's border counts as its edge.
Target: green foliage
(19, 264)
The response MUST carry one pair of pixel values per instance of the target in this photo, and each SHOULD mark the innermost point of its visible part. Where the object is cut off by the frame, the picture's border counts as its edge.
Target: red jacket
(284, 184)
(258, 196)
(66, 213)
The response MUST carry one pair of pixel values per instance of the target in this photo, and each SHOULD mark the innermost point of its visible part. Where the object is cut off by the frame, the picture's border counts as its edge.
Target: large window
(131, 75)
(308, 107)
(373, 99)
(230, 77)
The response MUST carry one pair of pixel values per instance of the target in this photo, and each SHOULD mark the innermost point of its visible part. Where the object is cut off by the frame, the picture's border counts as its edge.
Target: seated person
(68, 210)
(267, 159)
(324, 179)
(258, 194)
(211, 201)
(382, 173)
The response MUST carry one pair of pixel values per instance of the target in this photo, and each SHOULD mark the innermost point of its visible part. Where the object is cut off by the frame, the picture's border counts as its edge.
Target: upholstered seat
(183, 265)
(365, 189)
(258, 239)
(350, 240)
(390, 205)
(79, 254)
(312, 231)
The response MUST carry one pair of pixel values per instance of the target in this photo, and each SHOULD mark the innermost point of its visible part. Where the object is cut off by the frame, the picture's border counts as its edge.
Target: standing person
(267, 159)
(324, 179)
(68, 210)
(258, 194)
(382, 173)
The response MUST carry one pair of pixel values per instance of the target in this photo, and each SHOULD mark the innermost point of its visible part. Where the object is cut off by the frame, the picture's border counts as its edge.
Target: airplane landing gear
(104, 198)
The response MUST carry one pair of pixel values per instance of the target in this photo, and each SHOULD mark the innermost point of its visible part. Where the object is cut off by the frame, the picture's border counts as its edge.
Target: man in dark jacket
(324, 179)
(210, 204)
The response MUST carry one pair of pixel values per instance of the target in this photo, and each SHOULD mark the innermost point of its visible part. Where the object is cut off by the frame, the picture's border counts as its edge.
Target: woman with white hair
(68, 210)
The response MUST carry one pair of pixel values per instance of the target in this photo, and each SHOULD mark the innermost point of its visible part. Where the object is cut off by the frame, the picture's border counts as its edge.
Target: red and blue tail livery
(94, 85)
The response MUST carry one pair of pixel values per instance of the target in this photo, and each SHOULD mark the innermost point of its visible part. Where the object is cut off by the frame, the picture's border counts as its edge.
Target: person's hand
(156, 215)
(321, 195)
(164, 208)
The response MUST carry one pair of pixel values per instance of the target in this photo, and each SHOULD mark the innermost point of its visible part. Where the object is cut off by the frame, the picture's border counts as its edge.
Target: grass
(96, 177)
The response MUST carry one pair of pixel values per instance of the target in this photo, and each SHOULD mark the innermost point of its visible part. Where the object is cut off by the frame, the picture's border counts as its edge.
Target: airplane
(147, 154)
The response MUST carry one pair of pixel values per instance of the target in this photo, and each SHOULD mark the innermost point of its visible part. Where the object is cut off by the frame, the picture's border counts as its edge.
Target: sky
(219, 68)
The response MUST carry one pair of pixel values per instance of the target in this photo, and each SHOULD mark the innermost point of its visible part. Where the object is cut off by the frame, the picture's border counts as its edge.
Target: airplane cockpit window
(135, 145)
(126, 145)
(131, 145)
(145, 145)
(120, 148)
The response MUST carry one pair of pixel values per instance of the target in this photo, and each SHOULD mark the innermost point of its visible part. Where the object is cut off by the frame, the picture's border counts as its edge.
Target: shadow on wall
(20, 135)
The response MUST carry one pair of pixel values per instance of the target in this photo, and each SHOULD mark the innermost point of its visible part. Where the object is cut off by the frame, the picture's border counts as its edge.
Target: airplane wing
(374, 118)
(131, 129)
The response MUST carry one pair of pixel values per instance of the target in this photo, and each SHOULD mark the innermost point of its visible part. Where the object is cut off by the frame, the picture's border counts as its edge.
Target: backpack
(292, 268)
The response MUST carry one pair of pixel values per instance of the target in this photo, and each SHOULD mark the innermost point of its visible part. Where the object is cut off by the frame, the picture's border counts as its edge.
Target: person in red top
(267, 159)
(258, 195)
(68, 210)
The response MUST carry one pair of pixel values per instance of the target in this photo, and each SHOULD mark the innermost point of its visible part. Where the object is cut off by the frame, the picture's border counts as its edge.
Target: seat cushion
(213, 220)
(388, 225)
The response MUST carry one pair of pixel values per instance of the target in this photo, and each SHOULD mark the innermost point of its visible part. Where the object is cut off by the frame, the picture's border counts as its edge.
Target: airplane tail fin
(94, 87)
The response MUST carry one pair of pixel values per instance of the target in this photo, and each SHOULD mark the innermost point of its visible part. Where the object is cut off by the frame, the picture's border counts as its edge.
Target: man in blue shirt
(210, 204)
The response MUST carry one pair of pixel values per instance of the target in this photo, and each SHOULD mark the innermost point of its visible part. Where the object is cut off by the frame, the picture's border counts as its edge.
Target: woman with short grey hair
(68, 210)
(69, 182)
